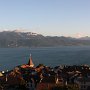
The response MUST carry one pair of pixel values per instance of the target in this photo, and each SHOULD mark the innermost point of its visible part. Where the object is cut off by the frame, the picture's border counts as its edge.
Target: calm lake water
(52, 56)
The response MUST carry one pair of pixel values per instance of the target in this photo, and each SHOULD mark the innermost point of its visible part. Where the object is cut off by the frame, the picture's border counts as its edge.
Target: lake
(51, 56)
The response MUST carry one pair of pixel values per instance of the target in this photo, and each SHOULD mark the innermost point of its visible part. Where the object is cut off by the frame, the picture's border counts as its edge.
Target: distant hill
(29, 39)
(85, 38)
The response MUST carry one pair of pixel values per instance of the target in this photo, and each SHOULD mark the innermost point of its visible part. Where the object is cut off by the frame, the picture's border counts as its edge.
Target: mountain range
(29, 39)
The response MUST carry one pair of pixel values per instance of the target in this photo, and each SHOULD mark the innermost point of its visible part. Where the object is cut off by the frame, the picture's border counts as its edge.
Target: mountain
(85, 38)
(30, 39)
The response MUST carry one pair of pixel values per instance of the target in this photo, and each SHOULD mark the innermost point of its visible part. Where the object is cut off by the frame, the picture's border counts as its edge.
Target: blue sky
(48, 17)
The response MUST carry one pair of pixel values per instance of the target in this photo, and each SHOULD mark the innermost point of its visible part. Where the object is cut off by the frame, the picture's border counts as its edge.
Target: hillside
(29, 39)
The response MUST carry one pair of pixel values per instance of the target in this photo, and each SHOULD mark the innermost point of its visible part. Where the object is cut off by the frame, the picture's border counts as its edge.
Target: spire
(30, 63)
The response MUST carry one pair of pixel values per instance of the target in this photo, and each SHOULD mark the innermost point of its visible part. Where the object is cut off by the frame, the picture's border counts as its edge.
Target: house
(47, 83)
(84, 83)
(16, 78)
(1, 74)
(31, 85)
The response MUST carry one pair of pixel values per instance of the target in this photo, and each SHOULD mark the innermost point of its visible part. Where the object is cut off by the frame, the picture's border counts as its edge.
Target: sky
(47, 17)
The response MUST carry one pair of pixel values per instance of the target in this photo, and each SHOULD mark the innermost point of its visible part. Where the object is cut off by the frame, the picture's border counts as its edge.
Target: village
(41, 77)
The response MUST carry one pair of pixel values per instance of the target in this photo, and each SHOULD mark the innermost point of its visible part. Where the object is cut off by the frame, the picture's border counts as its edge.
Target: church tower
(30, 62)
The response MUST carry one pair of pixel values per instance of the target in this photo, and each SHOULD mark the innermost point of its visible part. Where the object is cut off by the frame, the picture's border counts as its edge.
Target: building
(84, 83)
(1, 74)
(29, 64)
(46, 83)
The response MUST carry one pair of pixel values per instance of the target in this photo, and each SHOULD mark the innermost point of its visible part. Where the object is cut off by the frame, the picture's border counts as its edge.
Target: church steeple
(30, 63)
